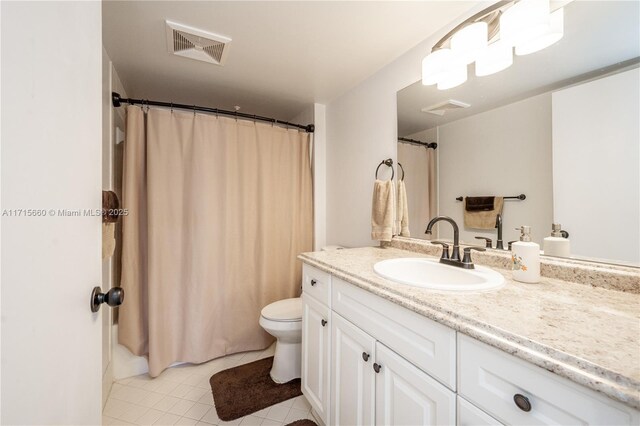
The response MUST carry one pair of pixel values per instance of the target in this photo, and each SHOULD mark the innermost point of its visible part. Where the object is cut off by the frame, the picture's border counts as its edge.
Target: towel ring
(389, 163)
(401, 168)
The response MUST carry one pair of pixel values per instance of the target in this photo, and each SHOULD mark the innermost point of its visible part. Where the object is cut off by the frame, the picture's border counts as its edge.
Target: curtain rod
(117, 101)
(417, 142)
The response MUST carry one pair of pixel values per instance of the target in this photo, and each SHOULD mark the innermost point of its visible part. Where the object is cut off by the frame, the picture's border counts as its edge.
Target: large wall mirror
(561, 126)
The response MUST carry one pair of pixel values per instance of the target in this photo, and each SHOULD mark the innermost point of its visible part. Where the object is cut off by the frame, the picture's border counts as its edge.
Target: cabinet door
(405, 395)
(316, 354)
(352, 375)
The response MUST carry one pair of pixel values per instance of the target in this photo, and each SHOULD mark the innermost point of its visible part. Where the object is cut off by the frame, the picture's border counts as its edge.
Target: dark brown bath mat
(304, 422)
(248, 388)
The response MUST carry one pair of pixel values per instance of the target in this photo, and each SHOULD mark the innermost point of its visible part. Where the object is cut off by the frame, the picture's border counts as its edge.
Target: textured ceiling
(284, 55)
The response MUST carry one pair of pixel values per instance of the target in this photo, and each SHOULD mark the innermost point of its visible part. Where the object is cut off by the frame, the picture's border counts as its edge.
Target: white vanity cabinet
(376, 362)
(316, 340)
(371, 384)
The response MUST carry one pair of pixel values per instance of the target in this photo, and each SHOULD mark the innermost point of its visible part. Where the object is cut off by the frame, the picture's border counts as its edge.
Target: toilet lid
(284, 310)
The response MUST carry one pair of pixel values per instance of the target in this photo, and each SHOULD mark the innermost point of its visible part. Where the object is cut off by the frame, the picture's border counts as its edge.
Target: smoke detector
(196, 44)
(442, 107)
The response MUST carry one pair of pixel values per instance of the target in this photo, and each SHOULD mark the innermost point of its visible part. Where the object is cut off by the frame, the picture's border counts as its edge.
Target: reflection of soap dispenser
(525, 257)
(557, 244)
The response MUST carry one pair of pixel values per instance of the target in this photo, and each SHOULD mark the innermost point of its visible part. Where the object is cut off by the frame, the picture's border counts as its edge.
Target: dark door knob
(376, 367)
(522, 402)
(113, 298)
(313, 282)
(365, 356)
(323, 322)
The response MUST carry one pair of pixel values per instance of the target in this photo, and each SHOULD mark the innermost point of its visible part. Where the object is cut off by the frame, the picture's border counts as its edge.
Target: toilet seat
(287, 310)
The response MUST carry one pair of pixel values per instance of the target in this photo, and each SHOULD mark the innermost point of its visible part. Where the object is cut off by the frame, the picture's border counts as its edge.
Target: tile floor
(181, 395)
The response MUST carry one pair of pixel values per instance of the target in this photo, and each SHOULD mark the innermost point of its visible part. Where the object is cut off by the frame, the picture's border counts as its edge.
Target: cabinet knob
(365, 356)
(376, 367)
(313, 282)
(522, 402)
(323, 322)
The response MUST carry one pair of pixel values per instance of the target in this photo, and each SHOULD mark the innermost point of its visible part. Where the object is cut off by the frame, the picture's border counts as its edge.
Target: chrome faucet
(454, 260)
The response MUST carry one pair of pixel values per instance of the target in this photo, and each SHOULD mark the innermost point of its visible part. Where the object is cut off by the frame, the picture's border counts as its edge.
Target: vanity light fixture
(489, 37)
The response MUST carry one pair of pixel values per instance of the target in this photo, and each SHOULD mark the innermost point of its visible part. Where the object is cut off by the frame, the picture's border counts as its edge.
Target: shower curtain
(419, 164)
(218, 210)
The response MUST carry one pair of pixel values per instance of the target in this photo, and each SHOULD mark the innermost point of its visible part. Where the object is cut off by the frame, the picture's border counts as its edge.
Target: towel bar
(514, 197)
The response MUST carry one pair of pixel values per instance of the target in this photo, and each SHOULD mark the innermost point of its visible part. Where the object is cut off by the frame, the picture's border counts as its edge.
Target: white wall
(504, 151)
(596, 166)
(362, 131)
(112, 118)
(51, 131)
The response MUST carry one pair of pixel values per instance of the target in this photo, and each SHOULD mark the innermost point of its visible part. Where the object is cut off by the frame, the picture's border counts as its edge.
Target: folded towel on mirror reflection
(475, 215)
(475, 204)
(382, 210)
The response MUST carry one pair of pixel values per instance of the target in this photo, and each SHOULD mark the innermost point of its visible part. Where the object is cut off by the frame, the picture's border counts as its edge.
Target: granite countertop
(587, 334)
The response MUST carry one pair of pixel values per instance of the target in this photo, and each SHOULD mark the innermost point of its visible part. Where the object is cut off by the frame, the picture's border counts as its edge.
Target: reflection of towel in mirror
(482, 219)
(382, 209)
(402, 211)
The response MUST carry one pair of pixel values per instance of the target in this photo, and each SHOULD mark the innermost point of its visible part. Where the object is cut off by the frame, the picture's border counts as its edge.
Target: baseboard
(317, 418)
(107, 383)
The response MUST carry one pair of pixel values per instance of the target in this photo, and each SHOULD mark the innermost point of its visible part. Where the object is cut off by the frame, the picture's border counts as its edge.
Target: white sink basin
(429, 273)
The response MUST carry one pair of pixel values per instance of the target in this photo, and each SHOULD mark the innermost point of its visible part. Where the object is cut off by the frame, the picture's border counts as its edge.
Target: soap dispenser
(557, 244)
(525, 257)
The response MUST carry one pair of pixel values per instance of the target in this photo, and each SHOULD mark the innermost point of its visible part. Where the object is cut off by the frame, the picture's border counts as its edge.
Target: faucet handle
(488, 241)
(467, 253)
(509, 244)
(445, 249)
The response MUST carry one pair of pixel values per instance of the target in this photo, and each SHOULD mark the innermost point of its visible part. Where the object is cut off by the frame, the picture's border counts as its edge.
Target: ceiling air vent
(196, 44)
(442, 107)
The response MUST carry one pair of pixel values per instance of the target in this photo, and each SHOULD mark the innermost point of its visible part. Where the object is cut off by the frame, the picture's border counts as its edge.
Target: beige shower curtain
(218, 211)
(420, 181)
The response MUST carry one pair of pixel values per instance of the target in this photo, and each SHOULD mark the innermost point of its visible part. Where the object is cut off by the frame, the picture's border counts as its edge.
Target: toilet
(283, 320)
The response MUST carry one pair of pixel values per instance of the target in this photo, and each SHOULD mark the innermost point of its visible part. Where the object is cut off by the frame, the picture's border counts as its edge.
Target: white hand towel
(382, 210)
(402, 211)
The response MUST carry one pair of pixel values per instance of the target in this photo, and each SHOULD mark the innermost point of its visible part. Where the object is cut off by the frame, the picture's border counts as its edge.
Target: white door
(405, 395)
(51, 143)
(352, 375)
(316, 354)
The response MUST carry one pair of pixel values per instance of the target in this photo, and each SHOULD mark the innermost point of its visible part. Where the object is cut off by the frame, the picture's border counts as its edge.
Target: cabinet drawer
(470, 415)
(316, 283)
(491, 378)
(428, 345)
